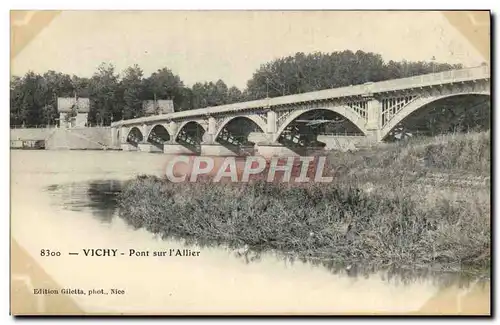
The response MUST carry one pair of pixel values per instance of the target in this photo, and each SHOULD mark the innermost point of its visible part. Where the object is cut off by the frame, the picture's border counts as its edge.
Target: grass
(462, 155)
(385, 210)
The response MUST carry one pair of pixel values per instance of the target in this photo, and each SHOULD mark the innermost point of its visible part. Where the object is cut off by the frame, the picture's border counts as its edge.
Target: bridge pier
(373, 136)
(208, 137)
(114, 139)
(373, 123)
(276, 149)
(209, 145)
(177, 149)
(148, 147)
(128, 147)
(343, 142)
(216, 149)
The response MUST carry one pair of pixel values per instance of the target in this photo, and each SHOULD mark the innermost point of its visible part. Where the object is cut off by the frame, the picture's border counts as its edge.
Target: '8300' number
(49, 253)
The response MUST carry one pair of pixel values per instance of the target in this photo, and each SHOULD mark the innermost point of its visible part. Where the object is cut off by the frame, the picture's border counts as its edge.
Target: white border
(184, 4)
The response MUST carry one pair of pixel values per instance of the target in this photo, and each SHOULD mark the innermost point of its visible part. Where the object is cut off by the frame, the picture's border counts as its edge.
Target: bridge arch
(188, 124)
(343, 111)
(135, 135)
(159, 131)
(259, 121)
(417, 105)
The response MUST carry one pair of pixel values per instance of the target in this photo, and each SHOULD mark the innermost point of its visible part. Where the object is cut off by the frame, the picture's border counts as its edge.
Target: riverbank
(413, 208)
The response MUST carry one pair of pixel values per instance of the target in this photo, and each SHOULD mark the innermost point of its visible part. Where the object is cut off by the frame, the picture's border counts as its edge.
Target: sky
(207, 46)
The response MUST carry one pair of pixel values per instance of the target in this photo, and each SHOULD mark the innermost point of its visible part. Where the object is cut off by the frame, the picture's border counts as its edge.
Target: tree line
(115, 96)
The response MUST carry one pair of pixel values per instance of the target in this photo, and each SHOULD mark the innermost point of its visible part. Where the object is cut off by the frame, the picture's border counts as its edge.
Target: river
(64, 201)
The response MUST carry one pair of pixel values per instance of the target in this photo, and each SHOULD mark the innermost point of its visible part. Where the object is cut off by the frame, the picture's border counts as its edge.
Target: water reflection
(99, 197)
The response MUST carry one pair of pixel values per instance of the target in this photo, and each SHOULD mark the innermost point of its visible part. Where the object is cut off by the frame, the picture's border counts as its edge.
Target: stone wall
(30, 134)
(73, 138)
(343, 143)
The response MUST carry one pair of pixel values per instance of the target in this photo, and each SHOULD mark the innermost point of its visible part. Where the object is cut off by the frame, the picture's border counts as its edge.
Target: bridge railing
(444, 77)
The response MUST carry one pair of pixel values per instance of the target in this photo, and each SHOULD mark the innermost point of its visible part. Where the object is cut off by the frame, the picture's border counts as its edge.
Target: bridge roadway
(372, 110)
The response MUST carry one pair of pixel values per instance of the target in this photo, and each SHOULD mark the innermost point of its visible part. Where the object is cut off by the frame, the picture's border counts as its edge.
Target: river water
(65, 201)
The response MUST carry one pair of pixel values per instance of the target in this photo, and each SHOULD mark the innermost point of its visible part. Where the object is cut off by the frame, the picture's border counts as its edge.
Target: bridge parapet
(433, 79)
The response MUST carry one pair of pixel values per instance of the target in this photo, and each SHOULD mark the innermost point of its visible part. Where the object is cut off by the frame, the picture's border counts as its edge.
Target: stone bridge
(371, 111)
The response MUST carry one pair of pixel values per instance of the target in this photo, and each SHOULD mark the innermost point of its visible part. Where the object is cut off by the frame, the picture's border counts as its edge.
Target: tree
(163, 84)
(105, 99)
(220, 93)
(81, 86)
(132, 86)
(56, 85)
(32, 98)
(198, 96)
(187, 99)
(316, 71)
(49, 114)
(17, 113)
(209, 94)
(234, 95)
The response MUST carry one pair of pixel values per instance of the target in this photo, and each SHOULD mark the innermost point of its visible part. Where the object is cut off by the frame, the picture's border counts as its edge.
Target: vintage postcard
(250, 162)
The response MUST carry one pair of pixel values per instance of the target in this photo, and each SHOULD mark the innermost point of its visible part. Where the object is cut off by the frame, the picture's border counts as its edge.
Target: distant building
(162, 106)
(68, 105)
